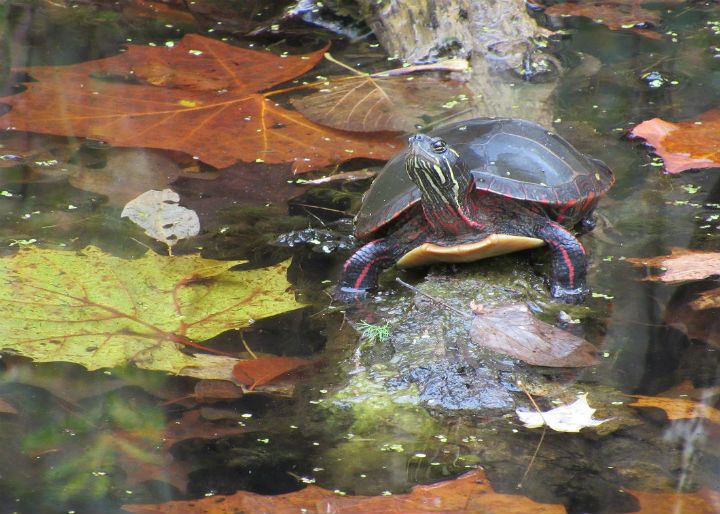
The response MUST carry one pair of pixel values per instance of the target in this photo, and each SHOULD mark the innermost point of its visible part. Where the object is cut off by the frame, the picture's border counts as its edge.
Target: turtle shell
(513, 158)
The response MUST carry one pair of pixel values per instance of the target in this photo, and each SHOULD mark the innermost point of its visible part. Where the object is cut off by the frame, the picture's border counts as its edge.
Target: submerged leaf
(468, 493)
(678, 408)
(200, 96)
(515, 331)
(614, 14)
(702, 501)
(127, 173)
(7, 408)
(98, 310)
(257, 372)
(370, 103)
(694, 310)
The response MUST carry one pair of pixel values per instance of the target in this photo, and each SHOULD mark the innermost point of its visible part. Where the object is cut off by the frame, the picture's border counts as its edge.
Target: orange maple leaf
(200, 96)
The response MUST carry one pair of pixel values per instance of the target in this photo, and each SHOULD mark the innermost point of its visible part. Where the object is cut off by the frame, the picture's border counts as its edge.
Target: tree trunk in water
(419, 30)
(498, 36)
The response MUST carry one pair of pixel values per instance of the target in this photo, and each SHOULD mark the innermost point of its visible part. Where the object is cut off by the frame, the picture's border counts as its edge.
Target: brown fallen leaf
(200, 96)
(257, 372)
(470, 493)
(702, 501)
(678, 408)
(514, 330)
(369, 103)
(685, 145)
(681, 265)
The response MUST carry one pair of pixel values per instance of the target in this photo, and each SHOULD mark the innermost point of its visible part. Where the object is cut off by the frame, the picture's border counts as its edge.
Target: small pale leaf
(162, 218)
(567, 418)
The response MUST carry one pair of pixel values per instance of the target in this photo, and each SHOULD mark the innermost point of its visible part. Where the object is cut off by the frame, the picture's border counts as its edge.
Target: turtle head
(437, 170)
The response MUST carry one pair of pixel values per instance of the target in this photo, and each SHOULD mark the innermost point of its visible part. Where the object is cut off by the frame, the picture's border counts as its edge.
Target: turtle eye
(439, 146)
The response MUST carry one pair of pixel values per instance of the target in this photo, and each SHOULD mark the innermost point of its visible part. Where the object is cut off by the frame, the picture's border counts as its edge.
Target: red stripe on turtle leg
(568, 265)
(362, 269)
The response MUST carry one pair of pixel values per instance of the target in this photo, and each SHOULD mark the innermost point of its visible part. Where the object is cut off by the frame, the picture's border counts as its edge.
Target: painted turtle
(476, 189)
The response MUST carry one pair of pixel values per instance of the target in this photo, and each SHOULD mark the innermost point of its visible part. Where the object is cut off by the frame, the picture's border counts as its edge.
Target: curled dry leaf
(514, 330)
(682, 264)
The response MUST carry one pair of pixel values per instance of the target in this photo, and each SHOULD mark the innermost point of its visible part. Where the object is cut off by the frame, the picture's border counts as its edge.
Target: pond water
(373, 411)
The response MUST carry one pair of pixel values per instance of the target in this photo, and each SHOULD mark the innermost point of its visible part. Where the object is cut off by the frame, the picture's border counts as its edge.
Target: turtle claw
(568, 295)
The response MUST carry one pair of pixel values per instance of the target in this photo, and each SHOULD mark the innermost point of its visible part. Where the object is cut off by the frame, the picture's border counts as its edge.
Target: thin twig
(436, 300)
(242, 338)
(542, 437)
(446, 65)
(335, 61)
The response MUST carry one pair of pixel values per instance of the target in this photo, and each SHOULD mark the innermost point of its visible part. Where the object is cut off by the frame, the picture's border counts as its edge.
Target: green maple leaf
(97, 310)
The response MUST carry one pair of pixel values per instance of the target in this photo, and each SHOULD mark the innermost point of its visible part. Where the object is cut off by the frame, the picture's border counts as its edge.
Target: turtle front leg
(568, 266)
(362, 270)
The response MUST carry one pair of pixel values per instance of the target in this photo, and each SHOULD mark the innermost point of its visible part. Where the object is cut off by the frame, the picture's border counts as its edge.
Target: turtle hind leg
(568, 266)
(361, 271)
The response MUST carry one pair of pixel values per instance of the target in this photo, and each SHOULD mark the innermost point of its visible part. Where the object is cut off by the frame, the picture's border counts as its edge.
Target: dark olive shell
(513, 158)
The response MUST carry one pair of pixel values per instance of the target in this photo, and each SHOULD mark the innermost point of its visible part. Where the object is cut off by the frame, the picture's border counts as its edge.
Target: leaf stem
(436, 300)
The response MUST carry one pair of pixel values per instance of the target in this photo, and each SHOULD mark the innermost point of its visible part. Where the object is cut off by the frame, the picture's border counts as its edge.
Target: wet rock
(428, 357)
(458, 386)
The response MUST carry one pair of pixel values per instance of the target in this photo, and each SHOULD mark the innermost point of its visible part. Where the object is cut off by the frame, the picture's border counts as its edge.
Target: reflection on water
(379, 414)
